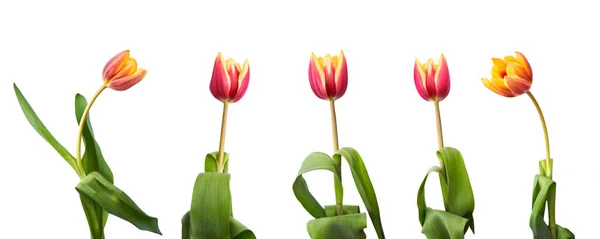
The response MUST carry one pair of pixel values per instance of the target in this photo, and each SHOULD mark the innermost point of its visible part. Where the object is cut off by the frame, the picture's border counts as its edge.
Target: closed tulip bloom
(328, 76)
(511, 76)
(229, 81)
(432, 80)
(121, 72)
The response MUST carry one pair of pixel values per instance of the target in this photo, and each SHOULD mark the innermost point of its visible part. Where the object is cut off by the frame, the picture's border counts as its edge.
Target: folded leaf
(93, 213)
(239, 231)
(92, 159)
(421, 202)
(460, 199)
(211, 206)
(346, 226)
(314, 161)
(564, 233)
(116, 202)
(185, 226)
(37, 124)
(331, 210)
(364, 186)
(210, 162)
(443, 225)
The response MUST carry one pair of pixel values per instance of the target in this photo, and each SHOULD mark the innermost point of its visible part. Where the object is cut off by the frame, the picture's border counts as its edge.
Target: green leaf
(37, 124)
(185, 226)
(331, 210)
(211, 206)
(460, 199)
(421, 202)
(564, 233)
(93, 214)
(346, 226)
(314, 161)
(210, 162)
(443, 225)
(364, 186)
(239, 231)
(116, 202)
(544, 191)
(92, 157)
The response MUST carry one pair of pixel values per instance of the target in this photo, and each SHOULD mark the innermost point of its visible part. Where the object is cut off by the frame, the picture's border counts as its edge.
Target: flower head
(432, 80)
(229, 81)
(121, 72)
(328, 76)
(511, 76)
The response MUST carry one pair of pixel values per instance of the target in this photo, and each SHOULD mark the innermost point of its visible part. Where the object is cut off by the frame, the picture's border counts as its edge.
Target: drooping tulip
(229, 81)
(328, 76)
(121, 72)
(432, 80)
(511, 76)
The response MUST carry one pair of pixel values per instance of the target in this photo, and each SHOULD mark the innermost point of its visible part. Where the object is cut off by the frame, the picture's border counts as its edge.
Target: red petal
(419, 75)
(111, 67)
(341, 76)
(315, 78)
(219, 85)
(244, 81)
(127, 82)
(442, 79)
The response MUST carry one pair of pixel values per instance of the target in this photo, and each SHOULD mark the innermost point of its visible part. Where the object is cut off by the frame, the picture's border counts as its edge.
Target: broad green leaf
(314, 161)
(239, 231)
(93, 214)
(346, 226)
(443, 225)
(37, 124)
(331, 210)
(116, 202)
(210, 162)
(92, 156)
(364, 186)
(92, 159)
(544, 191)
(460, 199)
(211, 206)
(564, 233)
(421, 202)
(185, 226)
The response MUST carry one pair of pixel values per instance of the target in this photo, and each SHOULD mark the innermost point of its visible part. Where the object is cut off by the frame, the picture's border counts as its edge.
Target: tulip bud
(121, 72)
(328, 76)
(432, 81)
(511, 76)
(229, 81)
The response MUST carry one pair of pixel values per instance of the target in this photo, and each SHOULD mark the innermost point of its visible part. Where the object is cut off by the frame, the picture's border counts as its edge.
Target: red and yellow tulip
(121, 72)
(511, 76)
(229, 81)
(328, 76)
(432, 80)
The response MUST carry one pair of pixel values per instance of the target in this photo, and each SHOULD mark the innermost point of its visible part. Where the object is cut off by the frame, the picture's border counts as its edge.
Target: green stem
(551, 207)
(438, 120)
(220, 163)
(337, 182)
(82, 122)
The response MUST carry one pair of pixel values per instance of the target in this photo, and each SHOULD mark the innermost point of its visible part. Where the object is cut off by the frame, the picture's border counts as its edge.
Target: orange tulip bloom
(121, 72)
(511, 76)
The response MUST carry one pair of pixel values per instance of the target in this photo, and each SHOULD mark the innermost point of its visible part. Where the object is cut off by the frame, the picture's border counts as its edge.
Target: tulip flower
(432, 80)
(328, 76)
(511, 76)
(121, 72)
(229, 81)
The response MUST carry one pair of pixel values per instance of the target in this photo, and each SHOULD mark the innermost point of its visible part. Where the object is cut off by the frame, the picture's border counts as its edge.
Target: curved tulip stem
(551, 209)
(336, 160)
(220, 163)
(82, 122)
(547, 140)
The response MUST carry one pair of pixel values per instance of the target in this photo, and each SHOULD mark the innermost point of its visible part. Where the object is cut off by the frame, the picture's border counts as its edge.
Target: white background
(155, 135)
